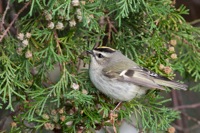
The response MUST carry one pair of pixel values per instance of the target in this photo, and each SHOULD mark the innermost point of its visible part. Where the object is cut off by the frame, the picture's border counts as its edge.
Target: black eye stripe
(99, 55)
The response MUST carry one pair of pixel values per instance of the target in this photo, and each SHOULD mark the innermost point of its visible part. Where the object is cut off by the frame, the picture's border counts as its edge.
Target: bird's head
(103, 56)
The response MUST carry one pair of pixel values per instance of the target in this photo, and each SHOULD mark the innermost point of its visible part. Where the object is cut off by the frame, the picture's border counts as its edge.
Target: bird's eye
(100, 55)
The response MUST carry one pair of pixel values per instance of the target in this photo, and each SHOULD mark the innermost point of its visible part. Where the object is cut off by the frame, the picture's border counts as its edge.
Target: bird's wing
(143, 77)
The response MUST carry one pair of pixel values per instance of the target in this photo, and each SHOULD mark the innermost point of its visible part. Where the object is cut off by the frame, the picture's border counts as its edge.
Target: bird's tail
(171, 84)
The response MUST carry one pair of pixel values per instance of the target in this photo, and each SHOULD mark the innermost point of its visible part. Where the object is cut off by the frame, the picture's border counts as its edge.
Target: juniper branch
(13, 21)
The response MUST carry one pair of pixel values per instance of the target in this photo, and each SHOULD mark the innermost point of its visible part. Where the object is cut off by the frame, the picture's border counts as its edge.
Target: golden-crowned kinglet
(120, 78)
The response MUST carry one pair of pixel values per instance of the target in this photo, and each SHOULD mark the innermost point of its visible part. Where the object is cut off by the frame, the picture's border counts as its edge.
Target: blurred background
(188, 102)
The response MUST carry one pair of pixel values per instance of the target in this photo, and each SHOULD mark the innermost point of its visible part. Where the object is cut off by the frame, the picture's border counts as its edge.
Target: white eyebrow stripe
(123, 73)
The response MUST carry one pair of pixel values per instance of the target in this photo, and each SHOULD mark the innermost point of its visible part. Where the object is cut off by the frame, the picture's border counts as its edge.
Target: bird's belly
(118, 90)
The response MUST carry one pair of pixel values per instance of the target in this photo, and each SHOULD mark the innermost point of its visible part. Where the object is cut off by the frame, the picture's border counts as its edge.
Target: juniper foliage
(152, 33)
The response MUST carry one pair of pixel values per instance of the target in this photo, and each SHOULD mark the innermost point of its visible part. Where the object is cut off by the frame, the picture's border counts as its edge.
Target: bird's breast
(123, 91)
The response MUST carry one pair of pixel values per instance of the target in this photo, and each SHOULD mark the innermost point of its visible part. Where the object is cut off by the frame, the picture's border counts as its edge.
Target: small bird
(122, 79)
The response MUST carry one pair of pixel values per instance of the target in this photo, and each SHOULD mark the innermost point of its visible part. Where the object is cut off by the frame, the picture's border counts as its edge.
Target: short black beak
(90, 52)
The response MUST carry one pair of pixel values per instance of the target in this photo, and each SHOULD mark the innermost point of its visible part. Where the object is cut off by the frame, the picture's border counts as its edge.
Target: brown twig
(192, 128)
(57, 43)
(187, 130)
(176, 102)
(111, 25)
(97, 42)
(196, 21)
(187, 106)
(4, 15)
(15, 18)
(111, 28)
(58, 48)
(191, 118)
(102, 23)
(196, 48)
(1, 7)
